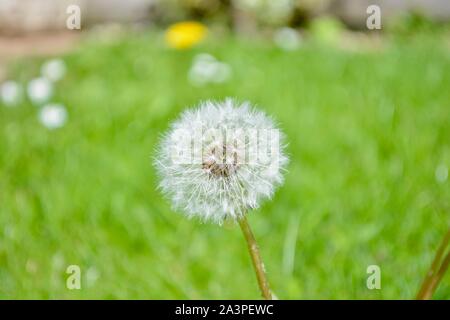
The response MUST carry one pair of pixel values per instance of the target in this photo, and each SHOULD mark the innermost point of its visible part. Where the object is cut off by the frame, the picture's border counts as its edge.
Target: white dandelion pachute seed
(220, 160)
(10, 93)
(40, 90)
(53, 70)
(287, 39)
(53, 116)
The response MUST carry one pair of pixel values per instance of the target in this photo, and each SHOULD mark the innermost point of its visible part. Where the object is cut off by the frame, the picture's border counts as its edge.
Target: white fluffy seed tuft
(220, 160)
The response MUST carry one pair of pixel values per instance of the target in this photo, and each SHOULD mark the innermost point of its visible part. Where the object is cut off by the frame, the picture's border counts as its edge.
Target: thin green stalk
(436, 271)
(258, 265)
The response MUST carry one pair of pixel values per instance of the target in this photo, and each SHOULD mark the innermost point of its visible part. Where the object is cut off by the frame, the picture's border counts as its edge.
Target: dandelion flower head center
(220, 161)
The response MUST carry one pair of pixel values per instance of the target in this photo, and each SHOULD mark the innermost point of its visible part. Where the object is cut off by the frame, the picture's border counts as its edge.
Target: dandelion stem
(436, 271)
(258, 265)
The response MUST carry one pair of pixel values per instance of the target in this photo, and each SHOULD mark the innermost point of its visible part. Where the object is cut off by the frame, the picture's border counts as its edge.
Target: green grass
(366, 132)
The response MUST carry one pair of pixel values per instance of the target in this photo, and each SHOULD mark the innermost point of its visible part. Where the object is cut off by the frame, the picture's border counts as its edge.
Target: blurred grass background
(366, 129)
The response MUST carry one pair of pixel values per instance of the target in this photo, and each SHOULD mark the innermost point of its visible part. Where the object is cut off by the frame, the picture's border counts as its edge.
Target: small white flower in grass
(220, 160)
(207, 69)
(287, 39)
(53, 70)
(53, 116)
(10, 93)
(40, 90)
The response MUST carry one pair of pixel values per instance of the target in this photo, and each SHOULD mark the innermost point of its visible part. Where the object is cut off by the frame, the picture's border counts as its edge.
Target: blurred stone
(353, 12)
(108, 11)
(53, 43)
(22, 16)
(10, 93)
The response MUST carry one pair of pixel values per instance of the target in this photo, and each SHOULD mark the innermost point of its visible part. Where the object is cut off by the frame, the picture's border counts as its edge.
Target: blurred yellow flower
(184, 35)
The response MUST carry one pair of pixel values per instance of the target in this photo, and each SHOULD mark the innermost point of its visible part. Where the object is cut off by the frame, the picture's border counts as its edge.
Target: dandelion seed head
(53, 116)
(54, 69)
(40, 90)
(10, 93)
(207, 69)
(287, 39)
(220, 160)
